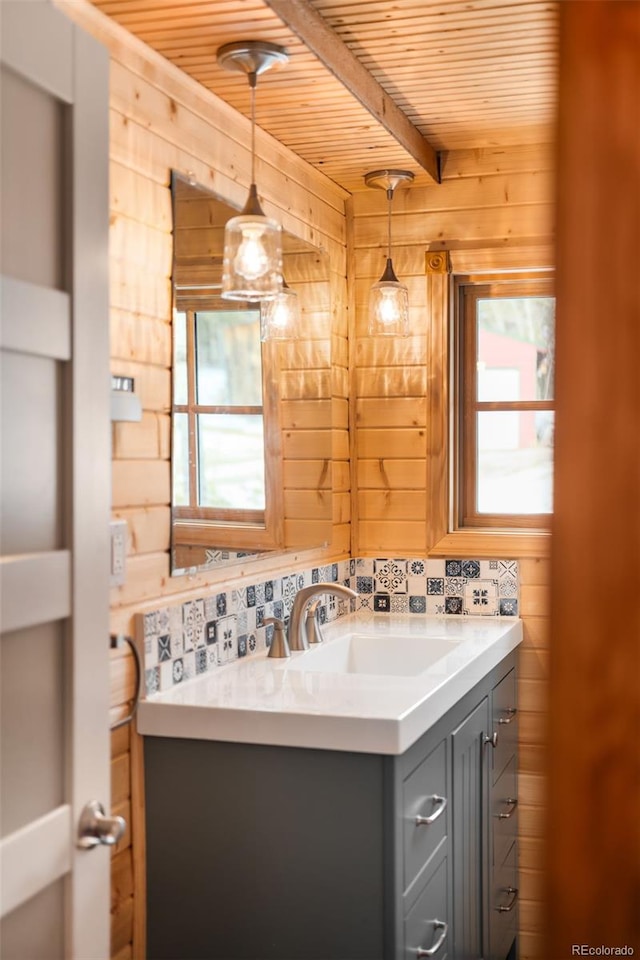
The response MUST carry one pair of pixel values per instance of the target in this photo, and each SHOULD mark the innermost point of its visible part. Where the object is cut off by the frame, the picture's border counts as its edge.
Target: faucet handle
(312, 627)
(279, 645)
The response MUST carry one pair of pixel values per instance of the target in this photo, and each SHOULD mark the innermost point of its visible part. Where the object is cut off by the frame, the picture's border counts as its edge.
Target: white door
(55, 470)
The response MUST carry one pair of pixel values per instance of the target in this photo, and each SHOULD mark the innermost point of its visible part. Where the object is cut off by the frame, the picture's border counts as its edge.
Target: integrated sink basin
(368, 653)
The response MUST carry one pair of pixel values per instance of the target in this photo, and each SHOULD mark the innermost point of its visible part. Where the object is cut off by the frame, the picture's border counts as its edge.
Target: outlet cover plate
(118, 530)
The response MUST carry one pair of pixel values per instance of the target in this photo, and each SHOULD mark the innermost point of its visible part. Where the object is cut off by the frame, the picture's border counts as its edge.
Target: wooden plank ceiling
(465, 73)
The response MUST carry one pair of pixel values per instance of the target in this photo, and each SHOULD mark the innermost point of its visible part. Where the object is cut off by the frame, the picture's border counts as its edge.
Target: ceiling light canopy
(388, 299)
(252, 265)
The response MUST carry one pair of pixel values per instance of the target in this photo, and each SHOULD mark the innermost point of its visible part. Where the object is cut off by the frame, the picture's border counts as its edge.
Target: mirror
(251, 420)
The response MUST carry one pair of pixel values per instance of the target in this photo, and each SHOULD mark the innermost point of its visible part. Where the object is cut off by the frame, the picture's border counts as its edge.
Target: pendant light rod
(251, 57)
(388, 180)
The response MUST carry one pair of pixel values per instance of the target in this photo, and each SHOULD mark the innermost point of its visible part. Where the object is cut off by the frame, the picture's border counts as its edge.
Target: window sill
(490, 544)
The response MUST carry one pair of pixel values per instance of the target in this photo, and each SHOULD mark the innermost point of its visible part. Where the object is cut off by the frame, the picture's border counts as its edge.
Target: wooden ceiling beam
(328, 47)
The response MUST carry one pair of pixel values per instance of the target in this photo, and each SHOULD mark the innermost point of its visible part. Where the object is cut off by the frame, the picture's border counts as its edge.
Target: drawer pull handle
(510, 714)
(442, 806)
(431, 951)
(493, 739)
(513, 893)
(511, 802)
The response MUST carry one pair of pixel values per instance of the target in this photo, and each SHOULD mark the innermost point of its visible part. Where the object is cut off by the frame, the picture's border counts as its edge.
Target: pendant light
(388, 299)
(280, 317)
(252, 265)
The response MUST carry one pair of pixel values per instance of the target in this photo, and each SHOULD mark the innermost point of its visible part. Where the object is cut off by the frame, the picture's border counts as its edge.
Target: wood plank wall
(494, 210)
(162, 120)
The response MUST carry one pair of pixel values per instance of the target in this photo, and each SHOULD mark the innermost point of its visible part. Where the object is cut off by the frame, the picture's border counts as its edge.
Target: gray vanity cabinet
(282, 853)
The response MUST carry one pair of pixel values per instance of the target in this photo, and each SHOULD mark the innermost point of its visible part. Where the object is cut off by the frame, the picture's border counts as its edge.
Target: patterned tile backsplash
(188, 639)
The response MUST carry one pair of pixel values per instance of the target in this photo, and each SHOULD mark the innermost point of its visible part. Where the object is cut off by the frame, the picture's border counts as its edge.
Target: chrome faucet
(299, 624)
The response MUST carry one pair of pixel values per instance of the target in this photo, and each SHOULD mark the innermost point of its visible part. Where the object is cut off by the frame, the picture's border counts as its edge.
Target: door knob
(96, 828)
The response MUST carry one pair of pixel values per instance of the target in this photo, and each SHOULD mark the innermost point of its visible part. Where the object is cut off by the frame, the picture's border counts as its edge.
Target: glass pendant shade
(252, 265)
(280, 317)
(389, 306)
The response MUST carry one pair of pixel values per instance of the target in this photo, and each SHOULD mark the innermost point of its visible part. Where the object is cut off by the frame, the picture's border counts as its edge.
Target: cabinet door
(469, 832)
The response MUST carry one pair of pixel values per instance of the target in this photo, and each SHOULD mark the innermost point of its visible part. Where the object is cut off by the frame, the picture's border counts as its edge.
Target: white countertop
(279, 702)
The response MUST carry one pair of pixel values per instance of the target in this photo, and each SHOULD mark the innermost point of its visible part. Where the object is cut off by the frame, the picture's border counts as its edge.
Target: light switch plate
(118, 530)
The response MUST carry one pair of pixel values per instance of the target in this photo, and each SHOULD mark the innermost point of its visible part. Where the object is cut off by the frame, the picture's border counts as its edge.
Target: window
(504, 407)
(220, 417)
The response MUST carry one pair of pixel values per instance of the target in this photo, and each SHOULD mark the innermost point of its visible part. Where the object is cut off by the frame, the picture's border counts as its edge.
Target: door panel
(32, 715)
(36, 929)
(32, 181)
(30, 517)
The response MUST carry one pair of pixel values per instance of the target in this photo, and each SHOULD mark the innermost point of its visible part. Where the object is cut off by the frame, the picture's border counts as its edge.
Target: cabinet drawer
(503, 919)
(504, 722)
(504, 812)
(426, 926)
(426, 813)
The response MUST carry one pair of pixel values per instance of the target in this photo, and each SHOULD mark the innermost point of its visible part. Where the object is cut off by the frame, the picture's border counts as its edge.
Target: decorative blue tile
(508, 568)
(481, 598)
(210, 632)
(260, 595)
(334, 572)
(259, 616)
(150, 624)
(178, 670)
(164, 649)
(289, 591)
(416, 568)
(364, 584)
(390, 576)
(470, 568)
(365, 602)
(268, 591)
(315, 575)
(417, 604)
(453, 568)
(227, 639)
(352, 568)
(508, 587)
(399, 603)
(252, 642)
(508, 608)
(242, 645)
(201, 660)
(221, 604)
(453, 586)
(453, 605)
(381, 603)
(435, 585)
(163, 621)
(152, 680)
(212, 657)
(278, 609)
(251, 596)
